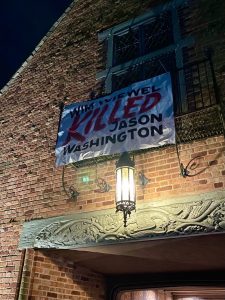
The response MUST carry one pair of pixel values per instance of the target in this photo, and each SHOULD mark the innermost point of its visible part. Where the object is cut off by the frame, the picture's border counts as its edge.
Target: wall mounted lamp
(125, 186)
(125, 193)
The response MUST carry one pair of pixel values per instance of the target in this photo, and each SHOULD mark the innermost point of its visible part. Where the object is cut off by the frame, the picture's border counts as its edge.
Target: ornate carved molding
(189, 216)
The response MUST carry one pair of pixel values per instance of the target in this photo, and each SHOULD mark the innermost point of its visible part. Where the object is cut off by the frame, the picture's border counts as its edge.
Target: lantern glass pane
(132, 185)
(125, 184)
(118, 185)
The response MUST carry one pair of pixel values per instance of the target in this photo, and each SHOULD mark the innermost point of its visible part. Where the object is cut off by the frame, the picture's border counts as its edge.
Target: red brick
(52, 295)
(218, 184)
(213, 162)
(203, 181)
(164, 188)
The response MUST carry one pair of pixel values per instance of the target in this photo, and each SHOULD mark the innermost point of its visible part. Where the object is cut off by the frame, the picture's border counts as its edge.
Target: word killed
(101, 117)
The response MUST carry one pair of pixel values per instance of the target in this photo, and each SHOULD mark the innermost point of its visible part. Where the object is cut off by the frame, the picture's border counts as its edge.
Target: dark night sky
(23, 23)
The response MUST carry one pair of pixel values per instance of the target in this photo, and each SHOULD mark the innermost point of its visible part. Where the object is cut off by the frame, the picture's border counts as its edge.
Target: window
(182, 293)
(144, 47)
(143, 39)
(150, 37)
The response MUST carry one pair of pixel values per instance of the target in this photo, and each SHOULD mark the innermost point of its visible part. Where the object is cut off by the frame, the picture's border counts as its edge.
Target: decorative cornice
(191, 215)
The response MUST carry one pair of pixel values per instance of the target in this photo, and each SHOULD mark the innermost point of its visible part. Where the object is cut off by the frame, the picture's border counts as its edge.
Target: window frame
(179, 43)
(119, 283)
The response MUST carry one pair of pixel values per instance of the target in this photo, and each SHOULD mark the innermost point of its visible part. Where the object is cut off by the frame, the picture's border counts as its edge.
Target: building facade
(60, 236)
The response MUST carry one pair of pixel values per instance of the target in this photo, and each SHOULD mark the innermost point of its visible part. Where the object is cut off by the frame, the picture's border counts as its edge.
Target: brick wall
(162, 168)
(10, 259)
(64, 68)
(48, 276)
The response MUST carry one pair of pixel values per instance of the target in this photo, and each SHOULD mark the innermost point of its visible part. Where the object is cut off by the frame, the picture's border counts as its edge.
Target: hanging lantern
(125, 186)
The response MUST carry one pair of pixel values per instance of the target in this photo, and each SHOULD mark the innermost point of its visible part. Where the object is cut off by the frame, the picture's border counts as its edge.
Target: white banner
(137, 117)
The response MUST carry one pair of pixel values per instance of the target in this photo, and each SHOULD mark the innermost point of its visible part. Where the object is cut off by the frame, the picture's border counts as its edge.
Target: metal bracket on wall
(193, 166)
(190, 169)
(143, 180)
(70, 191)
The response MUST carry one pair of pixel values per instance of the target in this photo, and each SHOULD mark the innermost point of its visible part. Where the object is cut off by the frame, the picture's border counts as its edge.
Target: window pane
(158, 34)
(159, 65)
(129, 76)
(143, 39)
(126, 46)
